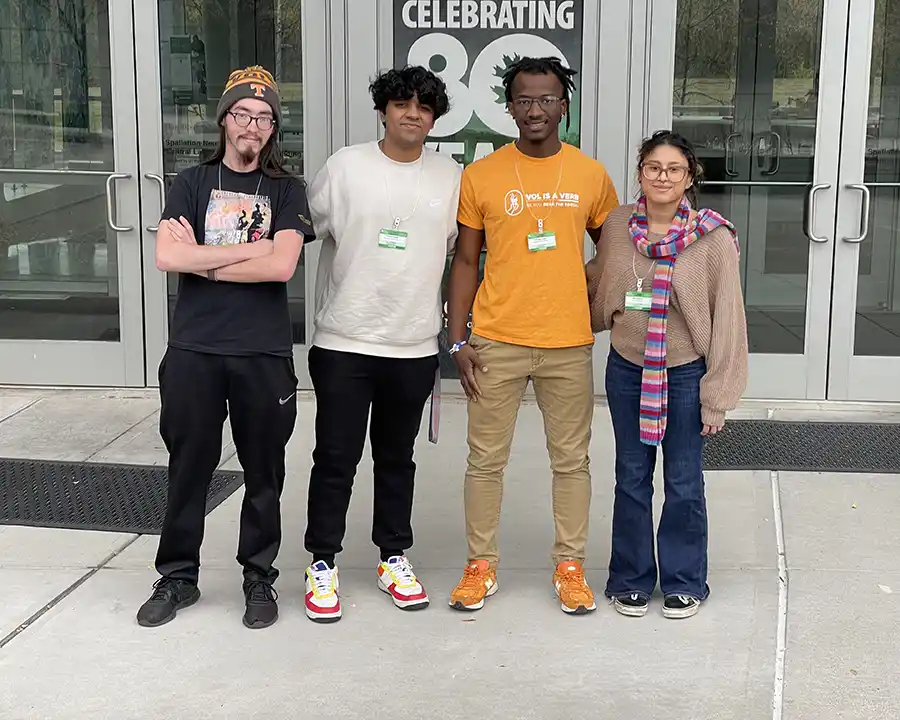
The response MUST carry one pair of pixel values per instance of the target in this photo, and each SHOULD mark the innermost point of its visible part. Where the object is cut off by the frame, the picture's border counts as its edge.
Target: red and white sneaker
(323, 604)
(397, 579)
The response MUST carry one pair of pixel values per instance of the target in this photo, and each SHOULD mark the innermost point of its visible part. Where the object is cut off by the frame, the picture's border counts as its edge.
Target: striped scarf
(654, 382)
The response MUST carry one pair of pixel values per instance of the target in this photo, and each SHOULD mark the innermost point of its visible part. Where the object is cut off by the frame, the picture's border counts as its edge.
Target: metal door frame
(96, 363)
(783, 376)
(854, 377)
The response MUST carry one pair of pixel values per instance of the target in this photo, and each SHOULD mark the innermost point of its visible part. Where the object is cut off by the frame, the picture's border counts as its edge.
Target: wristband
(211, 275)
(456, 347)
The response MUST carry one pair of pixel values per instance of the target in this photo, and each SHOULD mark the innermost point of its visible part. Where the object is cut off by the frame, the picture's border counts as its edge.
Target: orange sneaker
(575, 596)
(478, 582)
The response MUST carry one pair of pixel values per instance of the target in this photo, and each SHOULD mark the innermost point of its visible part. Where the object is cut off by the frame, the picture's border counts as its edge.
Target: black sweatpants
(347, 385)
(198, 392)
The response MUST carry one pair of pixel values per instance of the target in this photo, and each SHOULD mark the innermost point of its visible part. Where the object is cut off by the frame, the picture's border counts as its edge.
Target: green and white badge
(392, 239)
(638, 300)
(541, 241)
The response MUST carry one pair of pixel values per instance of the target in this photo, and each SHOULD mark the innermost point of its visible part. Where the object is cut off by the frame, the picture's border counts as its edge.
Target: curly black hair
(541, 66)
(411, 81)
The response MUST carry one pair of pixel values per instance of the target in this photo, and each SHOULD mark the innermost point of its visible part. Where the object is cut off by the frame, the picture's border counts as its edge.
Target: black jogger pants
(347, 385)
(198, 392)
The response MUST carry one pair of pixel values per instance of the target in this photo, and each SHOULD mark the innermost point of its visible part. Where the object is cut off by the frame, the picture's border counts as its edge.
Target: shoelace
(402, 572)
(472, 578)
(573, 580)
(260, 592)
(164, 588)
(321, 580)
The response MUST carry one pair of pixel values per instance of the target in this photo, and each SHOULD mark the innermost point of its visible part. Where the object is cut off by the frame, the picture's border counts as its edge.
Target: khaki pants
(564, 388)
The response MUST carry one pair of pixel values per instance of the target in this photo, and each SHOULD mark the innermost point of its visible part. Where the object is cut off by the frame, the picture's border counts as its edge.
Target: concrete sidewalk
(85, 657)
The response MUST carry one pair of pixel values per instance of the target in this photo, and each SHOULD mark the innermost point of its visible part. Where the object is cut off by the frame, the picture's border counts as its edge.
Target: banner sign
(469, 44)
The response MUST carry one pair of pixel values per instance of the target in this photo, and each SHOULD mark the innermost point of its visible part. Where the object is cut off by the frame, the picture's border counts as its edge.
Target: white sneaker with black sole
(679, 607)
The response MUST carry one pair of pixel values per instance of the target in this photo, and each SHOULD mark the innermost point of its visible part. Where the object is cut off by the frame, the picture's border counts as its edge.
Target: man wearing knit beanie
(233, 229)
(250, 83)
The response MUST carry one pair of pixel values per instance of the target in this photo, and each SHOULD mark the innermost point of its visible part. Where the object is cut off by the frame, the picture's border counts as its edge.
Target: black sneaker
(631, 605)
(169, 596)
(679, 607)
(262, 610)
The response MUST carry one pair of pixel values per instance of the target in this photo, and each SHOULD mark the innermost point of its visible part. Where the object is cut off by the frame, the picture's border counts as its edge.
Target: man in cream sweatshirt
(386, 216)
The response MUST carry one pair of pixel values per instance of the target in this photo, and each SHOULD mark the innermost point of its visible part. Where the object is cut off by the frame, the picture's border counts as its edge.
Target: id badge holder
(540, 241)
(392, 239)
(638, 301)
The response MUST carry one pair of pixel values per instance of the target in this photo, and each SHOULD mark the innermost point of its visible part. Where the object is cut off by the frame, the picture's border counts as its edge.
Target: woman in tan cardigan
(666, 283)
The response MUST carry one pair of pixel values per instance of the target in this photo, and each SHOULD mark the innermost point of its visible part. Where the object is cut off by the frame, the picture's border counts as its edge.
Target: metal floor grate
(805, 447)
(86, 496)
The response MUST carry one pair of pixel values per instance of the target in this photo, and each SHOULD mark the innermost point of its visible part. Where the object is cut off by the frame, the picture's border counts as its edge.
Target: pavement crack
(783, 584)
(65, 593)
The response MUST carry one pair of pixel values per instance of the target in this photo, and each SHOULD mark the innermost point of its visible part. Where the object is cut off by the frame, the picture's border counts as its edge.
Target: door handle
(729, 158)
(810, 211)
(864, 221)
(110, 220)
(162, 196)
(776, 164)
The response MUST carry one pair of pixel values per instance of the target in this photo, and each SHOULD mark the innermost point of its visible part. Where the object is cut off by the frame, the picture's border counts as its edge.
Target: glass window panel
(58, 265)
(878, 292)
(745, 94)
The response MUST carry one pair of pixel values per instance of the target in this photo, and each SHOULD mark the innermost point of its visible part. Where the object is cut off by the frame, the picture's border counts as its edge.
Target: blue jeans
(682, 536)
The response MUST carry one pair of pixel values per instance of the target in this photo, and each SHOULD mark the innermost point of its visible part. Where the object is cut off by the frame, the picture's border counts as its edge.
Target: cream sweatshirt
(372, 296)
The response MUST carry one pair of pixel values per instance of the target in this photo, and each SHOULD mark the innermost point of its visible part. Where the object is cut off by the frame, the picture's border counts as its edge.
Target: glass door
(746, 91)
(70, 263)
(865, 344)
(181, 75)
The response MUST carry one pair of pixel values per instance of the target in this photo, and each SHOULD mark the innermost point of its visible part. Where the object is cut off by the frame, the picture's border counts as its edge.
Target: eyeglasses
(263, 122)
(676, 174)
(546, 102)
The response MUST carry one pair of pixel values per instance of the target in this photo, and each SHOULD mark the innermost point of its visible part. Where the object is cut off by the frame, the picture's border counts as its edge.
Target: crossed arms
(262, 261)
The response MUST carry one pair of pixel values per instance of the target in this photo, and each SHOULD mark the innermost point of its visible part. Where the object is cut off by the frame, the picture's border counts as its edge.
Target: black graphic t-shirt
(226, 318)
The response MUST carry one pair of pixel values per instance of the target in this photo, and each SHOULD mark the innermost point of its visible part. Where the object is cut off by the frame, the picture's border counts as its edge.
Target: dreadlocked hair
(541, 66)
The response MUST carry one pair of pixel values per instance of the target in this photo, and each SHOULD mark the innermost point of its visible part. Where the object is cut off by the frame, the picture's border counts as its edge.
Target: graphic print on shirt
(513, 202)
(236, 218)
(540, 201)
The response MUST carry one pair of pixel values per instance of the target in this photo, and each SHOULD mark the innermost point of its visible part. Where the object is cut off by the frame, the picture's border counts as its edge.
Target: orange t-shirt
(529, 296)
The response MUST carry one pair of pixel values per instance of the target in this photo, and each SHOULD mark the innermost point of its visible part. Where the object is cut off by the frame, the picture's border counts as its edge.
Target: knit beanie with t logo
(255, 83)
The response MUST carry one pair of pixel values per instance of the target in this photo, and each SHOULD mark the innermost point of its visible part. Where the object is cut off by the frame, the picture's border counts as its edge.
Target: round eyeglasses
(263, 122)
(675, 174)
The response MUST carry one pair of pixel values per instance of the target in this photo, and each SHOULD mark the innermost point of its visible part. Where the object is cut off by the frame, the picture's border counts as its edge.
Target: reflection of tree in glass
(705, 52)
(54, 50)
(708, 40)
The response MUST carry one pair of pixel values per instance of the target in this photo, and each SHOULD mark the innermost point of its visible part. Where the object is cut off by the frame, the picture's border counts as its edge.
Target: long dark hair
(271, 159)
(683, 145)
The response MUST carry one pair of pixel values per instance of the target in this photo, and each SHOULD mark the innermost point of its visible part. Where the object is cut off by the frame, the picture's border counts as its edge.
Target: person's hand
(467, 361)
(181, 230)
(710, 430)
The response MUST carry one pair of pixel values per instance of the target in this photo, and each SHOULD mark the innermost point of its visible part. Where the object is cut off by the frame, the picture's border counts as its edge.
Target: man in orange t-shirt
(529, 203)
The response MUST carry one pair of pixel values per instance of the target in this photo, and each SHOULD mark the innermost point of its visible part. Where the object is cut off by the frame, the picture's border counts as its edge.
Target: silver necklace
(394, 217)
(640, 280)
(258, 185)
